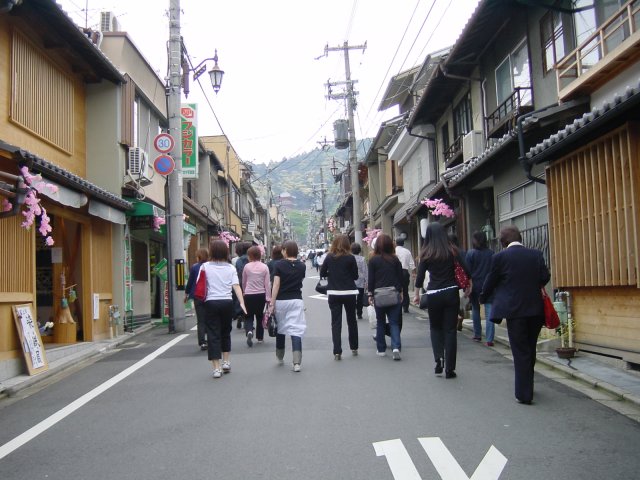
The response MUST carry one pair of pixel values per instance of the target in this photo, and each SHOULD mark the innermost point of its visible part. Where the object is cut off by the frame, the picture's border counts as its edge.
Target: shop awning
(104, 211)
(144, 209)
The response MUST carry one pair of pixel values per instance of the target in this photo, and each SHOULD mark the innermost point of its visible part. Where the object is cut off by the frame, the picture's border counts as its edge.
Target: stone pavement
(604, 380)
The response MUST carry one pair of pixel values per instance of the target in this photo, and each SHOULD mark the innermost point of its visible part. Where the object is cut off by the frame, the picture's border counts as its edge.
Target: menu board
(30, 339)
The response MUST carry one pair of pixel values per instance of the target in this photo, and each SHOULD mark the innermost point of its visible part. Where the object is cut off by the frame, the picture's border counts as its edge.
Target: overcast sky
(272, 103)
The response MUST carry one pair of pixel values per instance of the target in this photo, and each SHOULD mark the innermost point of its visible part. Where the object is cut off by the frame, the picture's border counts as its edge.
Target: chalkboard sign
(30, 339)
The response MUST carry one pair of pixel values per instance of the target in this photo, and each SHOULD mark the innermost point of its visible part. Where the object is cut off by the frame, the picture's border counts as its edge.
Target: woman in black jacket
(437, 256)
(385, 270)
(341, 270)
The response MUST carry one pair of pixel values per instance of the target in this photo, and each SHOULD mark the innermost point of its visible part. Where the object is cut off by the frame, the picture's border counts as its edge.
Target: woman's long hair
(437, 245)
(341, 246)
(384, 246)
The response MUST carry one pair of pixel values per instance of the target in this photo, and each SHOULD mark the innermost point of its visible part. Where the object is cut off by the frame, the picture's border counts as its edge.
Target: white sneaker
(381, 354)
(396, 354)
(226, 367)
(250, 339)
(217, 373)
(296, 367)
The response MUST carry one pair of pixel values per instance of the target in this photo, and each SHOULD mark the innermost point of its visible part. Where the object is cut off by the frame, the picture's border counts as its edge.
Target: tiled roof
(55, 172)
(590, 120)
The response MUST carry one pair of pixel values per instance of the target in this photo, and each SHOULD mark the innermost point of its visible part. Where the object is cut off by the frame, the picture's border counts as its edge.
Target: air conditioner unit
(471, 145)
(138, 165)
(108, 22)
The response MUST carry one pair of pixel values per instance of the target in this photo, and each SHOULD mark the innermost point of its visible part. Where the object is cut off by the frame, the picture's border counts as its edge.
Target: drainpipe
(522, 158)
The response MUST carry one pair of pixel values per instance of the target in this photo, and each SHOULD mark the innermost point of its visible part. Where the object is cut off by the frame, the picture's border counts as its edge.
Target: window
(512, 73)
(552, 37)
(234, 199)
(41, 95)
(444, 133)
(525, 206)
(462, 116)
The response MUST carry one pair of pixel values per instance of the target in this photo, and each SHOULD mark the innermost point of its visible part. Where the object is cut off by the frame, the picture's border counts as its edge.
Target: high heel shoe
(438, 368)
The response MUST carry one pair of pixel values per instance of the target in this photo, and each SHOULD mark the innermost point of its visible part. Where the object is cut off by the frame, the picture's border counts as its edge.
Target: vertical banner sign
(189, 138)
(165, 304)
(128, 286)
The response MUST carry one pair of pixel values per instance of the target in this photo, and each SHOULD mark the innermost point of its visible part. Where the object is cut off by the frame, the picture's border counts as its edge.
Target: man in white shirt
(408, 266)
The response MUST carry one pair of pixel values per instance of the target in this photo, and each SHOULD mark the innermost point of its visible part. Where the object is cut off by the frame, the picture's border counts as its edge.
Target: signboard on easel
(30, 339)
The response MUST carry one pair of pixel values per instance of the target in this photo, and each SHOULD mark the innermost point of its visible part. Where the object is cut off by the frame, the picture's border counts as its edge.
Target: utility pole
(353, 157)
(267, 237)
(174, 222)
(322, 188)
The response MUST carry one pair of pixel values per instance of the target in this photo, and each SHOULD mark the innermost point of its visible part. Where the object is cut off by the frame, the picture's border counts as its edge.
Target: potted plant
(566, 350)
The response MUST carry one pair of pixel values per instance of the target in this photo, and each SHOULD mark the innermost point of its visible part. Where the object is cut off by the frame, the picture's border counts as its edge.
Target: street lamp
(334, 168)
(215, 74)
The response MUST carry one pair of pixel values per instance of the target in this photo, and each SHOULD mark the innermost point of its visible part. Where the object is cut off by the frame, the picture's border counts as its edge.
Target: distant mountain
(297, 176)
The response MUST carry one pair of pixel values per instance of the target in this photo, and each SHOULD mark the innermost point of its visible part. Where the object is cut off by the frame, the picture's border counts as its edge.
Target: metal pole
(324, 211)
(267, 234)
(174, 201)
(353, 154)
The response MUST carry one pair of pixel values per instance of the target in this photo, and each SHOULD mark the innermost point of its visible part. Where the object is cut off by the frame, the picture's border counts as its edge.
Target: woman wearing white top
(222, 279)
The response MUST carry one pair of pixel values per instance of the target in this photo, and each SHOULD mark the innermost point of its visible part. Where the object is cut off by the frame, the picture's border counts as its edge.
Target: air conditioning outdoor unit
(471, 145)
(138, 165)
(108, 22)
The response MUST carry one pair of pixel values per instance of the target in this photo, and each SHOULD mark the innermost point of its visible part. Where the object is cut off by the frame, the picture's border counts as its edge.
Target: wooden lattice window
(41, 96)
(593, 202)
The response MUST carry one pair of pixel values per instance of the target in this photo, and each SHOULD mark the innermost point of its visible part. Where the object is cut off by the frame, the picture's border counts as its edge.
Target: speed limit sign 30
(163, 143)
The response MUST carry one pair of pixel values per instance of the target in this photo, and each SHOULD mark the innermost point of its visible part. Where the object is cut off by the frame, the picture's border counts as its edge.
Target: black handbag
(321, 286)
(272, 325)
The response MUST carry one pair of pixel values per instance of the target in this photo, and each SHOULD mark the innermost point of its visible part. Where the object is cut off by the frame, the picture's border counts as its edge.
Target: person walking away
(479, 261)
(320, 259)
(256, 288)
(361, 281)
(408, 266)
(287, 304)
(241, 260)
(276, 254)
(385, 270)
(341, 271)
(515, 278)
(201, 256)
(222, 279)
(443, 300)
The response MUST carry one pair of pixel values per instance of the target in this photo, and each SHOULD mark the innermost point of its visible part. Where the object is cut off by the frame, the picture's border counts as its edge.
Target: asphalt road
(144, 413)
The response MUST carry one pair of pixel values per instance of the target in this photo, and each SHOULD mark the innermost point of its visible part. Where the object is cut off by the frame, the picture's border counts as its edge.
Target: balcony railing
(452, 153)
(622, 25)
(502, 118)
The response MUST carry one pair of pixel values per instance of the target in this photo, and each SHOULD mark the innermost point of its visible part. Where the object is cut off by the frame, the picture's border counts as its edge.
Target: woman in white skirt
(286, 302)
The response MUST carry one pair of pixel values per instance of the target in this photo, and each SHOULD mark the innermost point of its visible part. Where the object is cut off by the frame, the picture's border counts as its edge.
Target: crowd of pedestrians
(248, 290)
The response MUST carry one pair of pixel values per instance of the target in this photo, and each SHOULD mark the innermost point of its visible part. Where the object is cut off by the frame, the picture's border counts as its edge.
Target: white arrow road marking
(490, 467)
(195, 327)
(319, 296)
(64, 412)
(398, 458)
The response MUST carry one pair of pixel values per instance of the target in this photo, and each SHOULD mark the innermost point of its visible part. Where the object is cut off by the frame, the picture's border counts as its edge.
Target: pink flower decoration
(438, 207)
(49, 241)
(158, 222)
(6, 205)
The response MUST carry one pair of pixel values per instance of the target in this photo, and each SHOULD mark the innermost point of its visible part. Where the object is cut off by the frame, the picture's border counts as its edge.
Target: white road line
(319, 296)
(61, 414)
(400, 463)
(195, 327)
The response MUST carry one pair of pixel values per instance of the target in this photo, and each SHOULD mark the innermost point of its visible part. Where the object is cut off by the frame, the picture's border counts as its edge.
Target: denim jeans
(296, 342)
(393, 314)
(477, 323)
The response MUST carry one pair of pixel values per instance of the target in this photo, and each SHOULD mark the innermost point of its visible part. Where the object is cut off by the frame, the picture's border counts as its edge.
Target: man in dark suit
(517, 273)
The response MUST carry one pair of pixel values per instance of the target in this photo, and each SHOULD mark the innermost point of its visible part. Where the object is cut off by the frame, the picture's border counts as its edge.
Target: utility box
(341, 134)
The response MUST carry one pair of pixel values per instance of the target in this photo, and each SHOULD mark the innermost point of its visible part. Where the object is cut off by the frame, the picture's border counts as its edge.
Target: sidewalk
(62, 358)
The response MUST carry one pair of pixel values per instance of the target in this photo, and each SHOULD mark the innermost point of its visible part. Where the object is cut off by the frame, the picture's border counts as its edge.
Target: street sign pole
(174, 191)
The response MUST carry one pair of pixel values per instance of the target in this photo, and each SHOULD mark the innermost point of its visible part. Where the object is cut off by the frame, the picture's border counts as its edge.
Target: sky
(272, 103)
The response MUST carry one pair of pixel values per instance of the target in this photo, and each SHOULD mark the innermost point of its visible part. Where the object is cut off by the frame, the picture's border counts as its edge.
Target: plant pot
(565, 352)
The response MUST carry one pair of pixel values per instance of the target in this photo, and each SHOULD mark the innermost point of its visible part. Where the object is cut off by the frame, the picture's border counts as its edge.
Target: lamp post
(175, 207)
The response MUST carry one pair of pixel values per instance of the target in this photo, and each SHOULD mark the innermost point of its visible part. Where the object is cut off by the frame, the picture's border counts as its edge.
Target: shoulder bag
(386, 297)
(462, 279)
(200, 291)
(321, 286)
(551, 318)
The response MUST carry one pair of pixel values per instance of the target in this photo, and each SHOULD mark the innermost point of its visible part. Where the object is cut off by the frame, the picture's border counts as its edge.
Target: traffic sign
(164, 164)
(163, 143)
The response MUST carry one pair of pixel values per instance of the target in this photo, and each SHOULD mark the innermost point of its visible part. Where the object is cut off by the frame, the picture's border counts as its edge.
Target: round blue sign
(164, 164)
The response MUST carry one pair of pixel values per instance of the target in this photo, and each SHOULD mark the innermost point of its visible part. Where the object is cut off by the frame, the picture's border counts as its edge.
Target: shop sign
(189, 139)
(128, 284)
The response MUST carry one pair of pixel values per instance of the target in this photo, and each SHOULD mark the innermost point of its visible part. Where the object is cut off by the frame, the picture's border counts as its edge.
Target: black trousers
(406, 279)
(336, 303)
(200, 316)
(218, 327)
(360, 302)
(523, 336)
(443, 318)
(254, 303)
